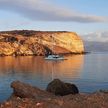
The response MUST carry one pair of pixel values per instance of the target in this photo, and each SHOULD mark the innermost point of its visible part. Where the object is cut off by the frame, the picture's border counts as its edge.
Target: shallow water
(89, 72)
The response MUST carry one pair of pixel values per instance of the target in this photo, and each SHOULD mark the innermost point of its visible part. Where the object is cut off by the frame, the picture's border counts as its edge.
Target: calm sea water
(89, 72)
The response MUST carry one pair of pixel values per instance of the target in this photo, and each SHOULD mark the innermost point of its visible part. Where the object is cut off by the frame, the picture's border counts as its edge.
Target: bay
(89, 72)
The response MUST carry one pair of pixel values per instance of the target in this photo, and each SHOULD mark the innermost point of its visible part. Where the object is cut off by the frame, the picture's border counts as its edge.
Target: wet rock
(58, 87)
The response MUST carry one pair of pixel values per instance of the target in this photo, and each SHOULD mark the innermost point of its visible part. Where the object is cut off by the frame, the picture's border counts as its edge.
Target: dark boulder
(58, 87)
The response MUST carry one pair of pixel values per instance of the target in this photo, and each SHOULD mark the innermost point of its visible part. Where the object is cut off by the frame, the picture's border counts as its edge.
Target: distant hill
(96, 41)
(94, 46)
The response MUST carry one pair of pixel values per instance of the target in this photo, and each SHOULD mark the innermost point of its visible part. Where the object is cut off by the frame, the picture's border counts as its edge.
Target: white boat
(54, 57)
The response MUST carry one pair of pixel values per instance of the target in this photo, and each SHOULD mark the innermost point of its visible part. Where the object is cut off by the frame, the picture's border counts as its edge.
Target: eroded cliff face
(39, 43)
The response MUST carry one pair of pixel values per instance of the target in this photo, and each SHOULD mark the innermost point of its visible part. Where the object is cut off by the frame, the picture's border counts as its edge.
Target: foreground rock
(32, 97)
(27, 91)
(26, 42)
(58, 87)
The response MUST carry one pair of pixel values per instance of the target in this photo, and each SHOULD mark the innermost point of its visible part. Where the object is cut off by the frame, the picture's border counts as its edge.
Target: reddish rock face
(39, 43)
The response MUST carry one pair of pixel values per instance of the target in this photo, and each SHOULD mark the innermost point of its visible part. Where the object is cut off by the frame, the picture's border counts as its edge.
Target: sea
(88, 72)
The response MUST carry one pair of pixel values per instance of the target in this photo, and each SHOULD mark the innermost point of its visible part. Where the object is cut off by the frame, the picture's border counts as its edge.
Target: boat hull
(54, 57)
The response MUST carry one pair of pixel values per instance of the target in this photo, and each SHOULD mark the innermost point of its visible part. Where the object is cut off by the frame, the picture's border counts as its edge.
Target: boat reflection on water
(67, 69)
(37, 66)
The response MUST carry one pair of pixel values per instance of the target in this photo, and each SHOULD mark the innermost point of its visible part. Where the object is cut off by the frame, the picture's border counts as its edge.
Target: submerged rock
(58, 87)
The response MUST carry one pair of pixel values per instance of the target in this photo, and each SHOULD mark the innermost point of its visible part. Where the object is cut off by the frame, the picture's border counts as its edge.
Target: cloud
(96, 36)
(43, 10)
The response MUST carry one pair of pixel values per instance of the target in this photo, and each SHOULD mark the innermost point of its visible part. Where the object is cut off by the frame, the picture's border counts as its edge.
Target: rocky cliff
(24, 42)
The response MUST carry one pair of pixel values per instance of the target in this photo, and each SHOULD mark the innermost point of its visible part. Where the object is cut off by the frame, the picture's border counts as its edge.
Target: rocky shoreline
(26, 96)
(28, 43)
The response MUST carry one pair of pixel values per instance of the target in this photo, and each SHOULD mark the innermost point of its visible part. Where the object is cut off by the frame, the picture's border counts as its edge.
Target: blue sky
(81, 16)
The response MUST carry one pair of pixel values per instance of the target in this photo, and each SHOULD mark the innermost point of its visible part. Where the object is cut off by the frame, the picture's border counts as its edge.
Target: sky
(81, 16)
